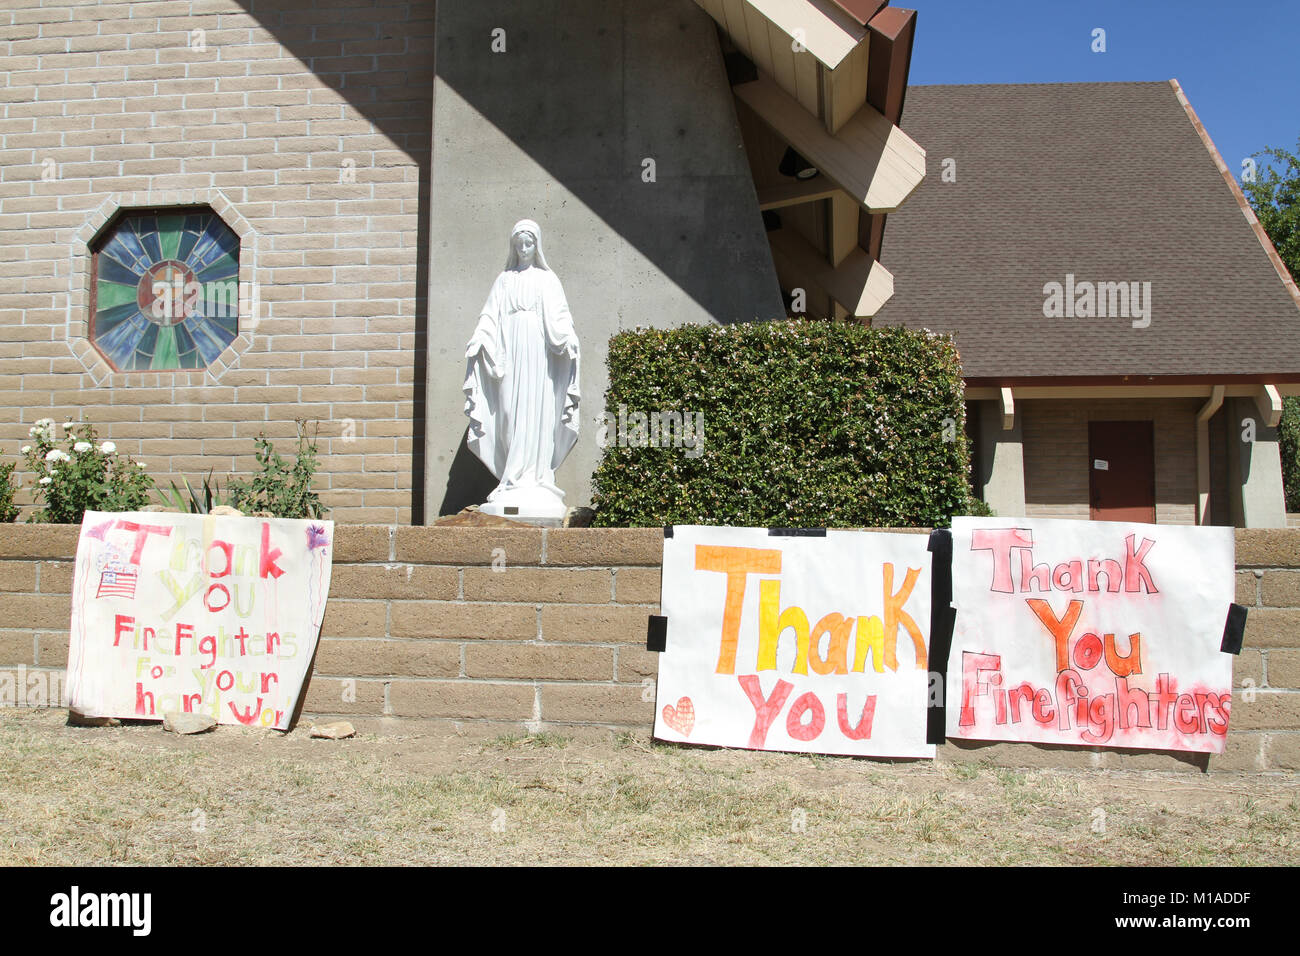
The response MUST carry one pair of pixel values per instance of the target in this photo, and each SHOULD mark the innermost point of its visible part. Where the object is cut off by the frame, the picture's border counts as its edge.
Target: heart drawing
(680, 718)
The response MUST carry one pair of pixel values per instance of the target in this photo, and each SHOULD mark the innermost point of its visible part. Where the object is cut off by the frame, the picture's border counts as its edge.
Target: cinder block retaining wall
(423, 631)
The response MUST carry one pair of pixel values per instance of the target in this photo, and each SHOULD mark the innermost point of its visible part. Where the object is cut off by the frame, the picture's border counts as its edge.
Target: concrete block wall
(307, 121)
(1056, 453)
(421, 631)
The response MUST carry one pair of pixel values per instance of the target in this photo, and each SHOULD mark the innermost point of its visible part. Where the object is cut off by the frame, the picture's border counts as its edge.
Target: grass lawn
(136, 795)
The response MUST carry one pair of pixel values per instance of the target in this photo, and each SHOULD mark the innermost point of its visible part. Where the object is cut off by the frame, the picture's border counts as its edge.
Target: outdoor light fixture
(792, 164)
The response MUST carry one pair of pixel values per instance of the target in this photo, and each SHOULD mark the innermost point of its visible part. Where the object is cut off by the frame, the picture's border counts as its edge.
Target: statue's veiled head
(526, 246)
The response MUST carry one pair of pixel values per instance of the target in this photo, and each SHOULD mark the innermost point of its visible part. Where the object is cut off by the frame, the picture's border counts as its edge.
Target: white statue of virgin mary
(521, 382)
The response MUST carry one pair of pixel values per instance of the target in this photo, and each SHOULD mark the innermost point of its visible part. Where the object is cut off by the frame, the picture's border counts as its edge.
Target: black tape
(797, 532)
(668, 531)
(1234, 629)
(942, 618)
(656, 634)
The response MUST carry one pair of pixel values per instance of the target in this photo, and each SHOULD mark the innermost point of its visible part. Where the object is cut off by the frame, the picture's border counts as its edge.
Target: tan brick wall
(1056, 453)
(402, 638)
(314, 123)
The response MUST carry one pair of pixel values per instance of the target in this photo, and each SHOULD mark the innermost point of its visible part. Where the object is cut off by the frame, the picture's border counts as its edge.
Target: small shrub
(196, 502)
(82, 475)
(805, 424)
(8, 488)
(281, 487)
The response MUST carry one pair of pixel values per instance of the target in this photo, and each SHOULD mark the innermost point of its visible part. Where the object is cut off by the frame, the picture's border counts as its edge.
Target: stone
(521, 384)
(334, 730)
(177, 722)
(473, 518)
(226, 510)
(579, 517)
(77, 719)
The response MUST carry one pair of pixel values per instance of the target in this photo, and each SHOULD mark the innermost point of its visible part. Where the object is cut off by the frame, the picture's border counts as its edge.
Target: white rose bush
(76, 475)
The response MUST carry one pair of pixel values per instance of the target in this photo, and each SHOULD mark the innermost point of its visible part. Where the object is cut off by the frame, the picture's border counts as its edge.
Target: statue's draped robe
(521, 380)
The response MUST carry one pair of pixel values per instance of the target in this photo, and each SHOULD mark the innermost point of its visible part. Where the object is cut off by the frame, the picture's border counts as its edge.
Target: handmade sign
(813, 644)
(1094, 633)
(197, 614)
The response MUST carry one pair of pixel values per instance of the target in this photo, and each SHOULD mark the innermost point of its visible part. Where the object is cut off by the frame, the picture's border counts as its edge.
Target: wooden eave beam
(870, 158)
(860, 284)
(792, 194)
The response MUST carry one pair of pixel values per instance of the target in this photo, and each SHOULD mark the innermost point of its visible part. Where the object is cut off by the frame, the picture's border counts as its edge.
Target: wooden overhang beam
(891, 32)
(859, 284)
(870, 158)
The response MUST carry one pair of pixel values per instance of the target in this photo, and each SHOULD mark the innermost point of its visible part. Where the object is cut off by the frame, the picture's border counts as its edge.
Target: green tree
(1274, 194)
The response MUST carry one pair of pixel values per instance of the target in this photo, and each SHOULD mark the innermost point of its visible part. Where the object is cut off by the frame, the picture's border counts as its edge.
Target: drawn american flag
(116, 583)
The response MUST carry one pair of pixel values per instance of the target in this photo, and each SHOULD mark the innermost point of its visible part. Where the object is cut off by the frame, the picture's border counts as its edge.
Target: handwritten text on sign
(813, 644)
(1090, 633)
(196, 614)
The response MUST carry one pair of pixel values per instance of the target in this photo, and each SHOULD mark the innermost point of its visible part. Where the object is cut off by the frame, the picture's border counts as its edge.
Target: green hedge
(805, 424)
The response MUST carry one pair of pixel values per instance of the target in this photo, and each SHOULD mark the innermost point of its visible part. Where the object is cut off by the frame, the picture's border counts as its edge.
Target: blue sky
(1239, 64)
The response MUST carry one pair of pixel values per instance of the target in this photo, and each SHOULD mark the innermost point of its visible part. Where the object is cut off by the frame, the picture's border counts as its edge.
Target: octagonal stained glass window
(165, 290)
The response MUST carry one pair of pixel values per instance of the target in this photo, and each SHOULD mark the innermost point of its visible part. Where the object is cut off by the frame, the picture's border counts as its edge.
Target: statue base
(533, 505)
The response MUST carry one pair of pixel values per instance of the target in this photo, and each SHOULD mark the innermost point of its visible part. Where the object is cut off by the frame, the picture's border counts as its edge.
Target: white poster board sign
(193, 613)
(810, 644)
(1092, 633)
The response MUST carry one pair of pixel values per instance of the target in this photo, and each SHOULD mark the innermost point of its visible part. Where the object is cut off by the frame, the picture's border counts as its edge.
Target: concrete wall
(556, 128)
(433, 639)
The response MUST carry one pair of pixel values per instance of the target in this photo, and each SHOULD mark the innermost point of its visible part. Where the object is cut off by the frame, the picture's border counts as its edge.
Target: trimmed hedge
(805, 424)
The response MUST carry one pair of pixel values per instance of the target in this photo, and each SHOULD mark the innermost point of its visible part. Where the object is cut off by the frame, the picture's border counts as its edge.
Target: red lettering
(765, 711)
(142, 532)
(1001, 542)
(267, 563)
(794, 724)
(1133, 566)
(863, 730)
(182, 631)
(122, 624)
(249, 715)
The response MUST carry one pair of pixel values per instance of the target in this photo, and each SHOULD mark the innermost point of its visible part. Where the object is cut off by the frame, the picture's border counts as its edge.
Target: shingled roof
(1108, 182)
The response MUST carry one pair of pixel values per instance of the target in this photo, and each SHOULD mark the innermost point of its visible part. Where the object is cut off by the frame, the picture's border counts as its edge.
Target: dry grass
(135, 795)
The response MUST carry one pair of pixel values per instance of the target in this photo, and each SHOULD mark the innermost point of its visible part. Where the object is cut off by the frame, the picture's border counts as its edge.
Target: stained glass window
(166, 290)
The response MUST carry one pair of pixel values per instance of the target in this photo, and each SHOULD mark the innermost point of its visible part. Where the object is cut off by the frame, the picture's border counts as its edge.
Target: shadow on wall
(470, 482)
(379, 58)
(590, 91)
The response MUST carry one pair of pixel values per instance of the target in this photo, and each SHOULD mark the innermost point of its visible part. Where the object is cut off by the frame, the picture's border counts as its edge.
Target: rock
(176, 722)
(334, 730)
(77, 719)
(477, 519)
(161, 510)
(226, 510)
(580, 517)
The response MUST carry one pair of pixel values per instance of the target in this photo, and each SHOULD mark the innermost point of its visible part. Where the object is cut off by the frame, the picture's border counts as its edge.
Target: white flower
(82, 446)
(46, 480)
(108, 448)
(25, 449)
(32, 431)
(139, 464)
(55, 454)
(66, 424)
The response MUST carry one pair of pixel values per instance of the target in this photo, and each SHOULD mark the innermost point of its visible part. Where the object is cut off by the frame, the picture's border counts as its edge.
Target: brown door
(1122, 471)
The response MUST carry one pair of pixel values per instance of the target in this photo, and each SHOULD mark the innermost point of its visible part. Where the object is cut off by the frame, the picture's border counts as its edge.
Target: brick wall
(1056, 453)
(420, 630)
(307, 122)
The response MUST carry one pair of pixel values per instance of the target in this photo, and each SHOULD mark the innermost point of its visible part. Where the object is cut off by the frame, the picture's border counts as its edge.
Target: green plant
(280, 487)
(804, 424)
(80, 474)
(8, 487)
(195, 503)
